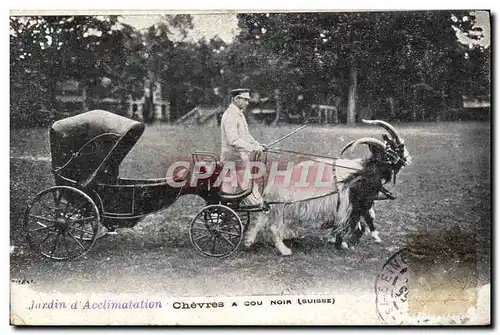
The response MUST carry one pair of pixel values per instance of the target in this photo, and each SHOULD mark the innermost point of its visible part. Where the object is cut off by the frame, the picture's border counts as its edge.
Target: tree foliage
(391, 52)
(48, 49)
(355, 60)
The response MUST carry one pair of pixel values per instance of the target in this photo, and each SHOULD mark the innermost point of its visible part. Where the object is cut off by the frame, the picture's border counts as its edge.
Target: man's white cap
(241, 93)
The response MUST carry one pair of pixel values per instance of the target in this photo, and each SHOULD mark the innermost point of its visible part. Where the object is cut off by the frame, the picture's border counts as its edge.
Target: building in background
(73, 97)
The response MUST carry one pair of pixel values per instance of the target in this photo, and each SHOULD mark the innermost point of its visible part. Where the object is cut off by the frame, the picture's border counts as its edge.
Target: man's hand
(260, 148)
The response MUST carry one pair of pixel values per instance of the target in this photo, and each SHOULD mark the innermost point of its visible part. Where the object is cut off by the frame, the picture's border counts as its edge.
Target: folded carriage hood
(84, 145)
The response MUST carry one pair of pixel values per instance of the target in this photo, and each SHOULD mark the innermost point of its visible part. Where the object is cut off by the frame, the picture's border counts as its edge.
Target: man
(237, 145)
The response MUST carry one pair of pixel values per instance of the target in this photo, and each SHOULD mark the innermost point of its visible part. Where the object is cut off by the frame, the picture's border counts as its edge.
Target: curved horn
(347, 147)
(387, 126)
(364, 140)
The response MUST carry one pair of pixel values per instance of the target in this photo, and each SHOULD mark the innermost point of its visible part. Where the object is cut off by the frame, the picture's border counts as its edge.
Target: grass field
(446, 189)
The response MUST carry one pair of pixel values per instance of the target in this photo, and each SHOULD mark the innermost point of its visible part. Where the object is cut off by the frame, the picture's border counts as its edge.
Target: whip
(286, 136)
(293, 132)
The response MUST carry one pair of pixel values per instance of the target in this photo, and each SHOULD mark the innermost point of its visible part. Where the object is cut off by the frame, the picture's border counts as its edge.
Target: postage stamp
(430, 287)
(250, 168)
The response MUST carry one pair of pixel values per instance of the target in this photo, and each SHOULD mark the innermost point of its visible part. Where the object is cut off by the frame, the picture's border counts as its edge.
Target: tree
(190, 72)
(311, 49)
(48, 49)
(384, 53)
(89, 49)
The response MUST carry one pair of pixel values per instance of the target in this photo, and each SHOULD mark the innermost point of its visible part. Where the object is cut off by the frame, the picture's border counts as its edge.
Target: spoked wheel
(216, 231)
(62, 223)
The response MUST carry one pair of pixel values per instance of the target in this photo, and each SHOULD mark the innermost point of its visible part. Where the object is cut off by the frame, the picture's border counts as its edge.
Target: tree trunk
(392, 107)
(85, 106)
(52, 89)
(351, 100)
(414, 112)
(443, 111)
(277, 95)
(148, 98)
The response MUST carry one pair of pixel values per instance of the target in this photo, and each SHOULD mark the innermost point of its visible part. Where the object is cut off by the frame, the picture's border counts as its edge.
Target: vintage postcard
(250, 168)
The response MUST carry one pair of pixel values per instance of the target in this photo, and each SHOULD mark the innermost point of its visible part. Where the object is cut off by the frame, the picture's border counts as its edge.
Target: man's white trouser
(243, 183)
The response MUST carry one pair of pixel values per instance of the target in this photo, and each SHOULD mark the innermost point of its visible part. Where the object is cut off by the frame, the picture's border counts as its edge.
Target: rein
(277, 150)
(296, 153)
(308, 199)
(335, 182)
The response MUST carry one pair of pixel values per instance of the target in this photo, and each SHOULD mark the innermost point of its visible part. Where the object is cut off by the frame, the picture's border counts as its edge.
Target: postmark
(392, 289)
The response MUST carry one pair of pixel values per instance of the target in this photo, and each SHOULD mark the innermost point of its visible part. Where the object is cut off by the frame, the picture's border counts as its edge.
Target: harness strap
(277, 150)
(334, 172)
(293, 202)
(290, 153)
(336, 190)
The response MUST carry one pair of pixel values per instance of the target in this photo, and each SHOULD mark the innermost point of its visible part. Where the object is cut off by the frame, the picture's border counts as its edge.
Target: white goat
(358, 184)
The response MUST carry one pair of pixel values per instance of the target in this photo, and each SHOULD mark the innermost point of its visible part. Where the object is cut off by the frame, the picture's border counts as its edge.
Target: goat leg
(369, 217)
(356, 229)
(278, 242)
(255, 227)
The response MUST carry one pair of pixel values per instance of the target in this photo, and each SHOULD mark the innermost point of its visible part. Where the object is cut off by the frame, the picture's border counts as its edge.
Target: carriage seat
(235, 196)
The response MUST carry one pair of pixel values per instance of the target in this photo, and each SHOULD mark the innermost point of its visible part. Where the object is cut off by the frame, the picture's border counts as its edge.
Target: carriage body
(87, 150)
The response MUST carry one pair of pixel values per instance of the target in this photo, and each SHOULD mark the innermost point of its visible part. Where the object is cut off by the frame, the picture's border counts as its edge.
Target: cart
(64, 221)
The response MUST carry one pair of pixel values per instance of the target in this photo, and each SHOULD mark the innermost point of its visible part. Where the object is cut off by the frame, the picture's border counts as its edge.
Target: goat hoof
(248, 244)
(285, 251)
(375, 237)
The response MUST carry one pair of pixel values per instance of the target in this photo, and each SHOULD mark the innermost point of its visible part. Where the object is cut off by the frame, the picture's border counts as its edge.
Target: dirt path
(131, 262)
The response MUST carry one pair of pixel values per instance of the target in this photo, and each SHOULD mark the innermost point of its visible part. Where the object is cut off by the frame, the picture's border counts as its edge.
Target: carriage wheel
(61, 223)
(216, 231)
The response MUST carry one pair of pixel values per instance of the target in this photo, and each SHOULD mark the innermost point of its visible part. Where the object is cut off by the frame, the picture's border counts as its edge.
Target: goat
(359, 183)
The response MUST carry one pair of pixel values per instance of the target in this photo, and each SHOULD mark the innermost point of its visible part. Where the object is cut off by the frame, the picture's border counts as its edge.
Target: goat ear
(388, 140)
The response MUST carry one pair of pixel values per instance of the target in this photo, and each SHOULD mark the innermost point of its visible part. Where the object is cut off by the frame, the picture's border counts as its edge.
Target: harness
(334, 173)
(392, 159)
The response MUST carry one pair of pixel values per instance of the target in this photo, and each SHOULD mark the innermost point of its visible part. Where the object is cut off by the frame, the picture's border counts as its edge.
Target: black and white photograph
(264, 167)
